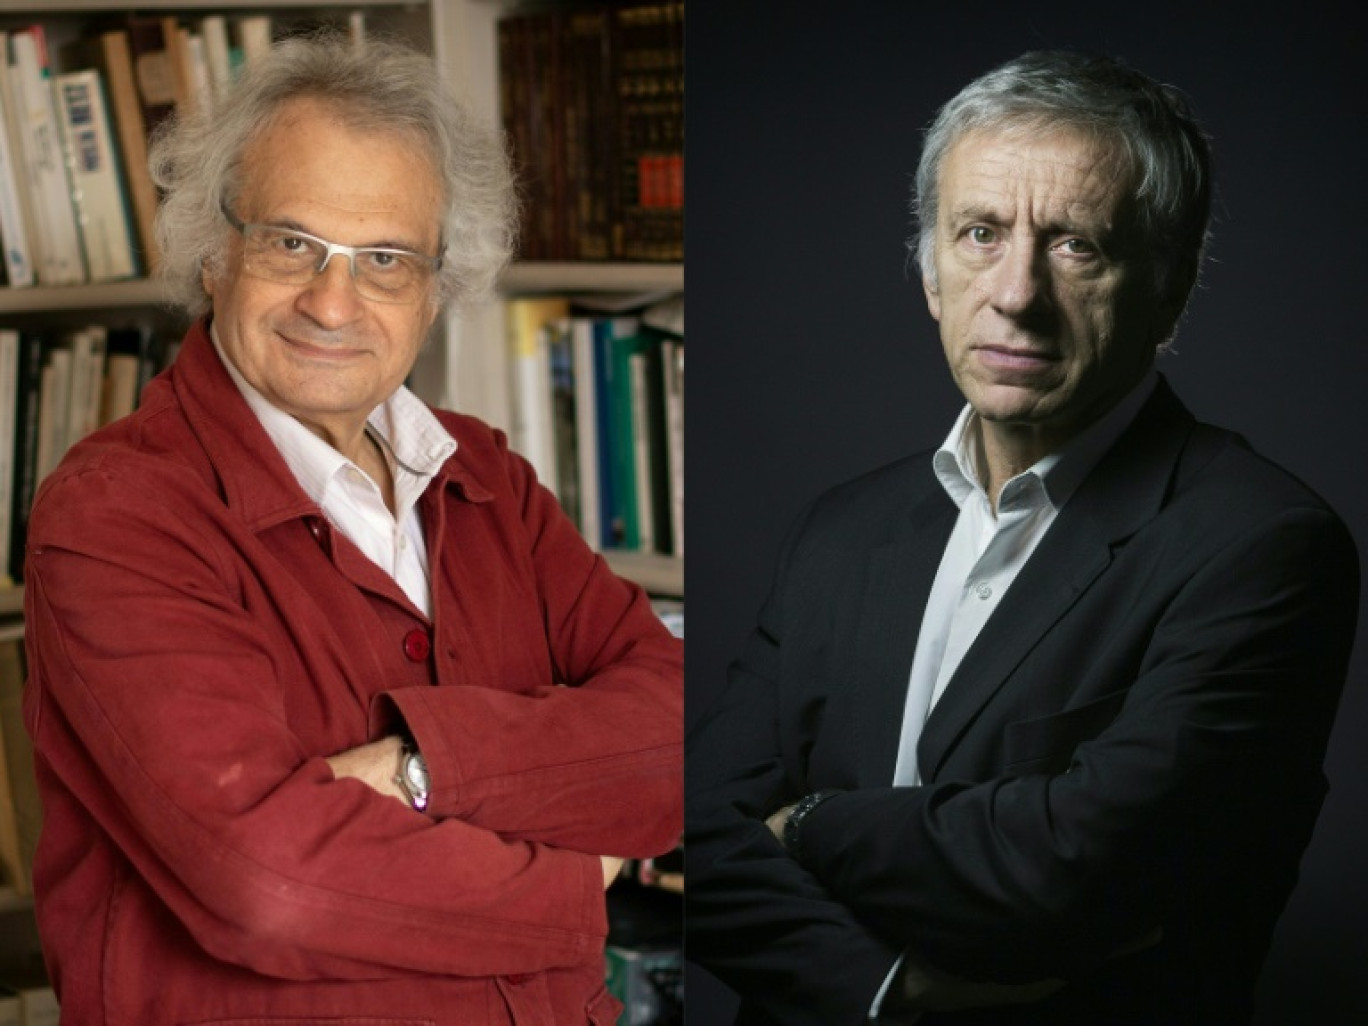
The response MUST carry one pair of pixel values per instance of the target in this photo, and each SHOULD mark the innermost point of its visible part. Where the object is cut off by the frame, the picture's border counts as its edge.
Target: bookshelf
(465, 368)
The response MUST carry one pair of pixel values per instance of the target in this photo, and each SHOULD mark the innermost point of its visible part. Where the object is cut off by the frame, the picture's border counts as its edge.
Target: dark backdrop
(812, 357)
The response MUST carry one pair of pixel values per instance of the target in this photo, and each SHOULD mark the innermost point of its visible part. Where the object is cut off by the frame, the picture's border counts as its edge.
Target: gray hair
(1151, 123)
(384, 86)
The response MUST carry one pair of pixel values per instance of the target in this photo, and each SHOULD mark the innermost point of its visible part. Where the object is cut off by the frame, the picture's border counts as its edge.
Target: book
(254, 37)
(14, 230)
(564, 435)
(587, 445)
(27, 398)
(532, 435)
(102, 215)
(9, 383)
(153, 71)
(119, 395)
(650, 446)
(23, 785)
(56, 240)
(614, 339)
(672, 373)
(87, 347)
(109, 53)
(54, 406)
(214, 30)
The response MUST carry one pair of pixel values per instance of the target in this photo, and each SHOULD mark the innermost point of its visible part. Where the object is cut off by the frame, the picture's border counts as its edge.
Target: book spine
(59, 256)
(116, 59)
(97, 193)
(27, 392)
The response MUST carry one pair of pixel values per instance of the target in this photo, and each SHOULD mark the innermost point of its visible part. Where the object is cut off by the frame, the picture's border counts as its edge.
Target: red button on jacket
(417, 645)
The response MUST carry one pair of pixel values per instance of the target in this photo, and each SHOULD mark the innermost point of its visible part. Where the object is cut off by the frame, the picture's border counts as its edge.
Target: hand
(778, 821)
(376, 765)
(611, 868)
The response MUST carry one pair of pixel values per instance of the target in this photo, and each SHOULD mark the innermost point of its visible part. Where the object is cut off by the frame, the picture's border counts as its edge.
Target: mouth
(1015, 358)
(317, 350)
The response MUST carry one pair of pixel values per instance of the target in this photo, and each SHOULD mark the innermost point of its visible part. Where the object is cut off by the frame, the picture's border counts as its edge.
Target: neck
(1006, 450)
(359, 446)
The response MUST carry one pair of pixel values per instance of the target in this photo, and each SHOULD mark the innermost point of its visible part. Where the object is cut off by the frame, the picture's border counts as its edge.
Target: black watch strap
(801, 810)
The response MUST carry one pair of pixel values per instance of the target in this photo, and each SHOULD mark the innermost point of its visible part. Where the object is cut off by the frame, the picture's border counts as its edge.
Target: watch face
(415, 769)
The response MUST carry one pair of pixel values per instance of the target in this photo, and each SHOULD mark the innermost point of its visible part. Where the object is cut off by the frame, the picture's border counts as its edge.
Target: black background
(812, 357)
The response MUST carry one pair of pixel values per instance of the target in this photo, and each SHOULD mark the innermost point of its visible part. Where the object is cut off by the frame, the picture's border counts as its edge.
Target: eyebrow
(974, 212)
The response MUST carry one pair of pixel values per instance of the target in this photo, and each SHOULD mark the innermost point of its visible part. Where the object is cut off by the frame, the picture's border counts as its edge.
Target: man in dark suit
(1031, 727)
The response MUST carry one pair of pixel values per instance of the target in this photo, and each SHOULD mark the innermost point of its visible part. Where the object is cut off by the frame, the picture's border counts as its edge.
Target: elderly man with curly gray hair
(336, 717)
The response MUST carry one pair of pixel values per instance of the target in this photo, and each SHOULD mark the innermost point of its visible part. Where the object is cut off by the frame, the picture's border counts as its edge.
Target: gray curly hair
(1151, 123)
(383, 86)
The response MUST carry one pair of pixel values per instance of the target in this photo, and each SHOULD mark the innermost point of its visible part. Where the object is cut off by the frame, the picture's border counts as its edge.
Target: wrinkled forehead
(1053, 168)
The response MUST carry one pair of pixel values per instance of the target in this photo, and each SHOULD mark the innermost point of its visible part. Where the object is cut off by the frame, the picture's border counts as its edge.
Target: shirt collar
(408, 430)
(956, 465)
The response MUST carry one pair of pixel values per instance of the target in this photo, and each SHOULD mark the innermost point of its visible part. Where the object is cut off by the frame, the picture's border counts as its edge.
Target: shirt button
(983, 590)
(417, 645)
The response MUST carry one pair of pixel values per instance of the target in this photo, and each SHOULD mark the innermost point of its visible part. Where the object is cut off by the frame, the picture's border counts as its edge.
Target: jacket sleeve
(1211, 769)
(756, 918)
(593, 762)
(155, 702)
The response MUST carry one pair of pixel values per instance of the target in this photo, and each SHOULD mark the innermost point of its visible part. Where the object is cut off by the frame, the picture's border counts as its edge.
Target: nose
(1020, 283)
(331, 299)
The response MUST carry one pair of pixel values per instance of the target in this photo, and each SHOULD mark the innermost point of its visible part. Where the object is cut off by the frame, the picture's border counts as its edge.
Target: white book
(56, 240)
(9, 384)
(672, 365)
(532, 430)
(586, 430)
(214, 30)
(11, 123)
(197, 69)
(254, 37)
(13, 228)
(53, 402)
(87, 382)
(96, 188)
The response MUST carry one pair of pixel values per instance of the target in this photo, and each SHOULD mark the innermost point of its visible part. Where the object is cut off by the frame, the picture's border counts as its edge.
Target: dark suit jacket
(1134, 742)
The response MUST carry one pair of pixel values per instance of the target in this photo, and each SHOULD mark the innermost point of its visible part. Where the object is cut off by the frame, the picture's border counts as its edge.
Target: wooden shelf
(112, 295)
(585, 277)
(659, 575)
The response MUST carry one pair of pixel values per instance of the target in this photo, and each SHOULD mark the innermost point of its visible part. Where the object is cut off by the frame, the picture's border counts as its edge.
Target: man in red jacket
(336, 716)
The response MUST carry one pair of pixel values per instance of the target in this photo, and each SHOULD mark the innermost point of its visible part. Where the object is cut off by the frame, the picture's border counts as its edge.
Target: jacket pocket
(603, 1009)
(1047, 744)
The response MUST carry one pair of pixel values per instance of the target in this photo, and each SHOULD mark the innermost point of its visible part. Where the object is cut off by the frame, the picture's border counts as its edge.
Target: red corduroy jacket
(200, 639)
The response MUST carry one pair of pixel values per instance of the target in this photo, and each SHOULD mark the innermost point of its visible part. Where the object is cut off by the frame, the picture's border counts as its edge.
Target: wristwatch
(792, 826)
(413, 777)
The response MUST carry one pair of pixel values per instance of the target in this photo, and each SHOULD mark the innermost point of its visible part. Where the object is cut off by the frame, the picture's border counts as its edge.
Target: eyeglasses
(290, 257)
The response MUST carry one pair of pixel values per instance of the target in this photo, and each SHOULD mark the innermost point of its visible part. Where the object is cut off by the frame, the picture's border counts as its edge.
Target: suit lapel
(1124, 491)
(897, 583)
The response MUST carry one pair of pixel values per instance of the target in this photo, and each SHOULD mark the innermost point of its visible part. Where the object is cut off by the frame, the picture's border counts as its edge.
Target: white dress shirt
(414, 444)
(985, 553)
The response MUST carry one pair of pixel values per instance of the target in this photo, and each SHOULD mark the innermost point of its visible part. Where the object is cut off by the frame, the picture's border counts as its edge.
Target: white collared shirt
(987, 551)
(415, 445)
